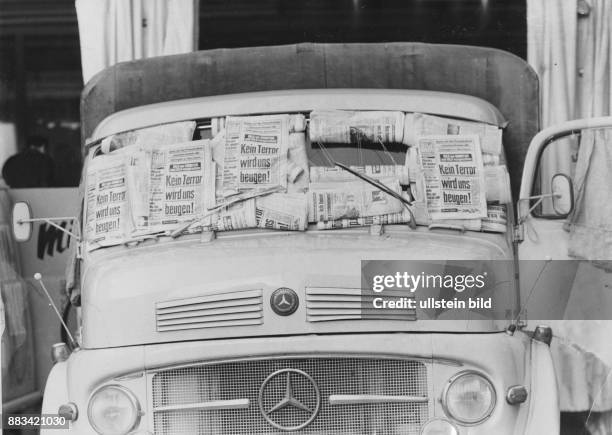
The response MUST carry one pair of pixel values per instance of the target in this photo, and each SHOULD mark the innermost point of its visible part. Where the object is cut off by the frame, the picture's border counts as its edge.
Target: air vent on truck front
(334, 303)
(237, 308)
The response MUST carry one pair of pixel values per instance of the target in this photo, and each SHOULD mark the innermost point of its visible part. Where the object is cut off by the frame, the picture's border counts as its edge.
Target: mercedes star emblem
(289, 396)
(284, 301)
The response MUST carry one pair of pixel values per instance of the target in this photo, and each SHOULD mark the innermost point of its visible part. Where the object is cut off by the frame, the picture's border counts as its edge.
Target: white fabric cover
(114, 31)
(571, 54)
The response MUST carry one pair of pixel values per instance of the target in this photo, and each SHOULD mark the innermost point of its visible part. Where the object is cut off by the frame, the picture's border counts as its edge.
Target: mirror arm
(50, 222)
(539, 198)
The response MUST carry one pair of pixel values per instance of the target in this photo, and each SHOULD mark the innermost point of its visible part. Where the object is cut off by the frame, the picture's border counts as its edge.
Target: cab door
(555, 286)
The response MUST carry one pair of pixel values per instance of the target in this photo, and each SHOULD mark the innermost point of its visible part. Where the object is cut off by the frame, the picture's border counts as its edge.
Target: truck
(261, 330)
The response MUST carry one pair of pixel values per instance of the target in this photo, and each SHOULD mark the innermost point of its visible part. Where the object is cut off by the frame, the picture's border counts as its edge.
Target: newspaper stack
(344, 126)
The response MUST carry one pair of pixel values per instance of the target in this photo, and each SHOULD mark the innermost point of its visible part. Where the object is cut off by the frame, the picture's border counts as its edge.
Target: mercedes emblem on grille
(284, 301)
(289, 399)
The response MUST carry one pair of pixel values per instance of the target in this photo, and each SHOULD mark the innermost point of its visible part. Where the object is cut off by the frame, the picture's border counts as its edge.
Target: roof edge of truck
(299, 100)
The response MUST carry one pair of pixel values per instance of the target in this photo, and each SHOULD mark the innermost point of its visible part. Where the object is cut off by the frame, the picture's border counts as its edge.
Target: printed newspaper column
(255, 153)
(177, 188)
(107, 202)
(453, 176)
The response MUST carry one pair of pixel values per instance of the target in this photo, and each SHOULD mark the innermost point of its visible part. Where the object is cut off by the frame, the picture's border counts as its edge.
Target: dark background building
(40, 70)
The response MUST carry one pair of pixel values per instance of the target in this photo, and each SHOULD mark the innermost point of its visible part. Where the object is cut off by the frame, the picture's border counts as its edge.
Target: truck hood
(186, 289)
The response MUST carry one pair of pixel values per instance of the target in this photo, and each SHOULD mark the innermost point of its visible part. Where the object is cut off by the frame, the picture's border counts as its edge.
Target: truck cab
(252, 329)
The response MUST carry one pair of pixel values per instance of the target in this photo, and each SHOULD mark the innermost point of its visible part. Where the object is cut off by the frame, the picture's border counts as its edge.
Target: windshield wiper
(405, 202)
(211, 211)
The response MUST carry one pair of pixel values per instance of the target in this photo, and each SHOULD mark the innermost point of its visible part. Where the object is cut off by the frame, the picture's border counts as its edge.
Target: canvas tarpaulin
(498, 77)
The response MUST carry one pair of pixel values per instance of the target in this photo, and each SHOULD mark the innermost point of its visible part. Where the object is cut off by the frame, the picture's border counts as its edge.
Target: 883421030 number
(34, 421)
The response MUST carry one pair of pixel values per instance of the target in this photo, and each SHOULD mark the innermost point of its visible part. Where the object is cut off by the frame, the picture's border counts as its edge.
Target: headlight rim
(446, 389)
(131, 397)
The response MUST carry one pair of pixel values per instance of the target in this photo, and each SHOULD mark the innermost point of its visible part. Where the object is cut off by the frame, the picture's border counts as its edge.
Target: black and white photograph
(324, 217)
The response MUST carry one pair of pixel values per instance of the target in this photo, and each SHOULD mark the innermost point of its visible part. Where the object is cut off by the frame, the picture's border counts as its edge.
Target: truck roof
(503, 79)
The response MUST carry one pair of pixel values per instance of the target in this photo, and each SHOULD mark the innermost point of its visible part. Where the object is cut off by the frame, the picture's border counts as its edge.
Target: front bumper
(505, 360)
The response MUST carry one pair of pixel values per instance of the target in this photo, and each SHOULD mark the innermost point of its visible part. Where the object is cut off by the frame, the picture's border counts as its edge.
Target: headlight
(468, 398)
(439, 426)
(113, 410)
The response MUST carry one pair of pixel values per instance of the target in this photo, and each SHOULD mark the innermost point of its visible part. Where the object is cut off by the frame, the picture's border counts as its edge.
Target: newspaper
(176, 185)
(385, 219)
(297, 124)
(235, 217)
(255, 153)
(453, 176)
(331, 201)
(297, 168)
(334, 173)
(496, 220)
(497, 181)
(138, 163)
(282, 211)
(107, 202)
(422, 217)
(419, 124)
(164, 134)
(344, 126)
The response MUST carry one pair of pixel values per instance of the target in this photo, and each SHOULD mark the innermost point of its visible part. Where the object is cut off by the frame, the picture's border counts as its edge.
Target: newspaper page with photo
(452, 174)
(107, 202)
(255, 155)
(345, 126)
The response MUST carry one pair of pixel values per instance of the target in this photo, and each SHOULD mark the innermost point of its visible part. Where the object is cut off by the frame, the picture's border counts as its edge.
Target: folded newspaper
(297, 167)
(329, 201)
(164, 134)
(419, 124)
(496, 220)
(497, 181)
(335, 173)
(385, 219)
(255, 153)
(282, 211)
(452, 176)
(108, 221)
(344, 126)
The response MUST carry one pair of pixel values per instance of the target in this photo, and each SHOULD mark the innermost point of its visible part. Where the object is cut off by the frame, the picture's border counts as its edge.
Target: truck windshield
(324, 170)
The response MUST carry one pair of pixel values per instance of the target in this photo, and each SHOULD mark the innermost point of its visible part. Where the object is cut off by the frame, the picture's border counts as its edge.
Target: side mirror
(562, 194)
(22, 221)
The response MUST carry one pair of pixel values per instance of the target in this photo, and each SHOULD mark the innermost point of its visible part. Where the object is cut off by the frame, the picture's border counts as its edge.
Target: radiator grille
(332, 376)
